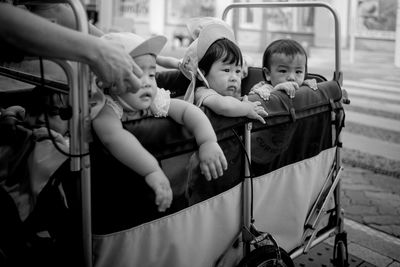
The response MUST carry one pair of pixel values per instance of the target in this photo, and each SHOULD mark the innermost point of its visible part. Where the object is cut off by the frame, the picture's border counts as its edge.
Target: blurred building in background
(365, 24)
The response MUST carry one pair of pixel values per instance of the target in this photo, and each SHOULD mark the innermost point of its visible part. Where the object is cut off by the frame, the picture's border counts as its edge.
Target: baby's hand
(312, 83)
(289, 87)
(43, 132)
(256, 111)
(262, 89)
(160, 184)
(212, 160)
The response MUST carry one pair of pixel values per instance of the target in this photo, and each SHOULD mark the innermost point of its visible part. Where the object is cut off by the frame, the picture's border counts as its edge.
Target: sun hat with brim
(136, 45)
(195, 25)
(206, 31)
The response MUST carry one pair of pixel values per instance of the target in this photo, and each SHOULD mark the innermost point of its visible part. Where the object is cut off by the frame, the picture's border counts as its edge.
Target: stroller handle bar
(338, 73)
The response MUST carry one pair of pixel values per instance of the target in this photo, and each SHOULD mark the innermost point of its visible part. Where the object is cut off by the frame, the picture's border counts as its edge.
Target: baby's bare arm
(125, 147)
(212, 159)
(233, 107)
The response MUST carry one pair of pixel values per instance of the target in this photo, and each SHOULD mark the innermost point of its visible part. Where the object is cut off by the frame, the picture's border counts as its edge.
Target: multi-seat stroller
(279, 197)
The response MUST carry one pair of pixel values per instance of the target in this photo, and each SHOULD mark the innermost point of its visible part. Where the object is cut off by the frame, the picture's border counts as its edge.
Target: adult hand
(115, 69)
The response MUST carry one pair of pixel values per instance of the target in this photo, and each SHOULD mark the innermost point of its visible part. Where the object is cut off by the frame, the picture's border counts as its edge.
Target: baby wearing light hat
(149, 100)
(213, 63)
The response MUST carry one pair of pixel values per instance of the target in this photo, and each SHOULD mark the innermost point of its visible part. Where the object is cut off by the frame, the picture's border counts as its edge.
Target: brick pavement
(371, 199)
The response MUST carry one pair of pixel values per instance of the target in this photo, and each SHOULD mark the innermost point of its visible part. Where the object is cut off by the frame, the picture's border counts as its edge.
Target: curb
(370, 245)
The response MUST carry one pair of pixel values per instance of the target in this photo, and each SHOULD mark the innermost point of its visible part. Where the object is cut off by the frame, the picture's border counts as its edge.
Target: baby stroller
(278, 199)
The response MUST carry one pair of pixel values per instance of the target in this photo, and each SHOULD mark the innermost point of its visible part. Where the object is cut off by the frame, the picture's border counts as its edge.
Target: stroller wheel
(266, 256)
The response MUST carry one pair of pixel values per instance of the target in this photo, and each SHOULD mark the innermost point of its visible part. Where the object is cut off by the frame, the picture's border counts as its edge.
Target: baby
(284, 68)
(152, 101)
(213, 63)
(219, 72)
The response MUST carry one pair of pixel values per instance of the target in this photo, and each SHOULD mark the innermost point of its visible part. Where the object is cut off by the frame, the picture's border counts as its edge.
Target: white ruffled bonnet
(205, 31)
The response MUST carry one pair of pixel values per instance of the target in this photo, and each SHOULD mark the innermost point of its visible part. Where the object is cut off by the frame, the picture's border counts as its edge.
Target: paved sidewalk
(372, 199)
(371, 204)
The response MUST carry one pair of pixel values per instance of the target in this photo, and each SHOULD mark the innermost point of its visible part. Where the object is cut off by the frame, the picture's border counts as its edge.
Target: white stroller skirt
(199, 235)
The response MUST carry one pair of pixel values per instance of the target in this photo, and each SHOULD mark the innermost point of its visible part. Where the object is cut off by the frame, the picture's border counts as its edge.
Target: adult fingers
(133, 83)
(129, 83)
(136, 69)
(133, 79)
(118, 86)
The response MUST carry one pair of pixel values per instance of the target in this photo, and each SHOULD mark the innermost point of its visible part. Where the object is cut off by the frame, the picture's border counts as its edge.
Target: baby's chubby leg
(159, 182)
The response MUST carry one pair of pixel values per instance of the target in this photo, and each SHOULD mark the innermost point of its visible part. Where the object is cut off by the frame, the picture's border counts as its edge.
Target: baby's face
(286, 68)
(52, 107)
(143, 98)
(225, 78)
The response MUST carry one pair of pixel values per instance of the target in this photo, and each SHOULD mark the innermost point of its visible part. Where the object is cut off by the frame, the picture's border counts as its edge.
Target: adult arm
(37, 36)
(61, 14)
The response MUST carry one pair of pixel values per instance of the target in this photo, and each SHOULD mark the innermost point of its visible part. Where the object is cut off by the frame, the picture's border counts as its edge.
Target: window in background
(178, 11)
(299, 19)
(135, 9)
(376, 18)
